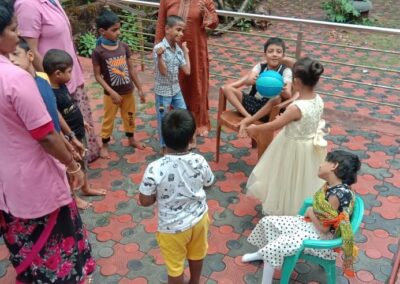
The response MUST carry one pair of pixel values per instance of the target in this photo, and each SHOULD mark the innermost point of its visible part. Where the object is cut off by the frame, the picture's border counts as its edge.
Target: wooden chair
(231, 118)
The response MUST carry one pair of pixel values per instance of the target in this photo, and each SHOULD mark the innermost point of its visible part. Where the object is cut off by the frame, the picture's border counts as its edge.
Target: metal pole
(299, 41)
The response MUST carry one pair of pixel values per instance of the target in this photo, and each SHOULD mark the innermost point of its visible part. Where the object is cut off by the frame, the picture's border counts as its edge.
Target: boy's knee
(275, 101)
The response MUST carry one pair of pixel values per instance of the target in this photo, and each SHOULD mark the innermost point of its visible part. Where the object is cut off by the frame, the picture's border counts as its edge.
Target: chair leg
(331, 273)
(217, 142)
(287, 268)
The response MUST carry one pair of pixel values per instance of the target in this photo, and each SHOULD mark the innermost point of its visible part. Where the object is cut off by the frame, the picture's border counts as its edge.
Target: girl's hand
(252, 131)
(202, 5)
(87, 126)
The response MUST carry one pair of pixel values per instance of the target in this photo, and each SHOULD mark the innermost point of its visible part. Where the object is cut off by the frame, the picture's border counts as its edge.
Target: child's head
(344, 165)
(307, 71)
(108, 24)
(274, 51)
(8, 28)
(58, 66)
(178, 127)
(174, 28)
(23, 55)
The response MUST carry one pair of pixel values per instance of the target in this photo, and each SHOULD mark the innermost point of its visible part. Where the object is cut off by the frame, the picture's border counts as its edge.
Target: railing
(299, 26)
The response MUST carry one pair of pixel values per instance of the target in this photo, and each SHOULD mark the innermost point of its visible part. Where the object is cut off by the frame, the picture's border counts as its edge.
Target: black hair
(23, 44)
(348, 165)
(178, 127)
(56, 59)
(277, 41)
(6, 14)
(173, 20)
(106, 19)
(308, 71)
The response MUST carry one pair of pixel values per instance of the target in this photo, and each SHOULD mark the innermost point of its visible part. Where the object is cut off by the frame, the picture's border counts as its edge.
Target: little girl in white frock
(287, 171)
(281, 236)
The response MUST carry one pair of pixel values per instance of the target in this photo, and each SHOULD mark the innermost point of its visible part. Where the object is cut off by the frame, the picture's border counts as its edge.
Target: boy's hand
(252, 131)
(160, 51)
(141, 96)
(251, 78)
(116, 98)
(78, 147)
(185, 48)
(87, 126)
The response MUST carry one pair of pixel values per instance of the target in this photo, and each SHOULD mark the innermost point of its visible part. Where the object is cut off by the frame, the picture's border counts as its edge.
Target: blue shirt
(168, 85)
(49, 100)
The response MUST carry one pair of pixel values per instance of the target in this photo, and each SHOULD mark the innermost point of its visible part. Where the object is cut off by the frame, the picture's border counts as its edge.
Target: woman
(198, 14)
(44, 25)
(39, 221)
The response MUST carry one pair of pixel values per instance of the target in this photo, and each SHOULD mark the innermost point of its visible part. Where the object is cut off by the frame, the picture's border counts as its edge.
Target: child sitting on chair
(281, 236)
(252, 105)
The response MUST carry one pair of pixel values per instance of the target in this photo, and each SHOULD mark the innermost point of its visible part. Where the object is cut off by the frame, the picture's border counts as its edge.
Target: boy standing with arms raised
(168, 59)
(177, 181)
(115, 72)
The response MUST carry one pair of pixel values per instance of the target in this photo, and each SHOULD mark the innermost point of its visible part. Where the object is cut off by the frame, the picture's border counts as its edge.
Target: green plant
(129, 30)
(244, 25)
(341, 11)
(86, 45)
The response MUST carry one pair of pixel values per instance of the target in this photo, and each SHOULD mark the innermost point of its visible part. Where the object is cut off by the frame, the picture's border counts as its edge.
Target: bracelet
(76, 171)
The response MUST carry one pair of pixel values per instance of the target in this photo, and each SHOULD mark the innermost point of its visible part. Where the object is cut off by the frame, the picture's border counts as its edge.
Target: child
(114, 71)
(253, 106)
(58, 66)
(281, 236)
(168, 59)
(287, 171)
(176, 181)
(24, 57)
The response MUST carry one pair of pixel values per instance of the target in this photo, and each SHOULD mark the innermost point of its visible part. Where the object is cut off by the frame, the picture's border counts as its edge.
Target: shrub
(86, 45)
(340, 11)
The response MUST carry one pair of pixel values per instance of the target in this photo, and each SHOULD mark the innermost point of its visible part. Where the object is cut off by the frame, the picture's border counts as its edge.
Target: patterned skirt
(49, 249)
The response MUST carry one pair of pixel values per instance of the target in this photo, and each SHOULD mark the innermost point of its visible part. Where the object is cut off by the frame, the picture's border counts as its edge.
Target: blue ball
(269, 84)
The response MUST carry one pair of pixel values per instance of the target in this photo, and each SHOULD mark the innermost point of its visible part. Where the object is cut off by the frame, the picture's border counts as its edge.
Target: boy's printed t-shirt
(114, 67)
(49, 100)
(178, 181)
(168, 85)
(69, 111)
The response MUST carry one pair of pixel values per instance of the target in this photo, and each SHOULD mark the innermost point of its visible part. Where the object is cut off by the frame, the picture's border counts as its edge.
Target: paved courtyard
(122, 232)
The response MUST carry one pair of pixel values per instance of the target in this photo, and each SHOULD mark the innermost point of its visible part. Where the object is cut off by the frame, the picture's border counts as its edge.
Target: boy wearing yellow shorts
(177, 181)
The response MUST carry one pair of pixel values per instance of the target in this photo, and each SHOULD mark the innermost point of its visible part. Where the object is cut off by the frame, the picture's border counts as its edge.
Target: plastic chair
(231, 118)
(328, 265)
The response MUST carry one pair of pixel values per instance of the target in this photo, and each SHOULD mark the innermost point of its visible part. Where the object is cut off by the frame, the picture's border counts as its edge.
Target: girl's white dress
(287, 172)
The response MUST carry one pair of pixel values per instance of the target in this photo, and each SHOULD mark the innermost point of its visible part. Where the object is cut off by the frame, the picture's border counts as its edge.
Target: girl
(39, 221)
(287, 171)
(281, 236)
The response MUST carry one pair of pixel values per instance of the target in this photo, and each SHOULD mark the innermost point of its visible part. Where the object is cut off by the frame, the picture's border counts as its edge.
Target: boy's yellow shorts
(190, 244)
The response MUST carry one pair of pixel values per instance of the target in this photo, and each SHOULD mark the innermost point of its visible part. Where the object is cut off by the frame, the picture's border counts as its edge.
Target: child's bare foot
(94, 191)
(104, 152)
(202, 131)
(82, 204)
(136, 144)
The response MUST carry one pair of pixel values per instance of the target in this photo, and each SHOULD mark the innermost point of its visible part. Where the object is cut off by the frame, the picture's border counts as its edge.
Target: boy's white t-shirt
(178, 182)
(287, 73)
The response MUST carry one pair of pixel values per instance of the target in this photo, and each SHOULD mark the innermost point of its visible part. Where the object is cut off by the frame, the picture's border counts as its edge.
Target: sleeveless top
(306, 127)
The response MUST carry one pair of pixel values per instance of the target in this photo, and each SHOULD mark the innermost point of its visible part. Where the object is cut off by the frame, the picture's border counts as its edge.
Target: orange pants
(128, 110)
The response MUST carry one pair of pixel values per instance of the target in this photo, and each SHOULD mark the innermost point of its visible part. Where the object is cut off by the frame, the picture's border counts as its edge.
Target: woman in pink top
(44, 25)
(39, 221)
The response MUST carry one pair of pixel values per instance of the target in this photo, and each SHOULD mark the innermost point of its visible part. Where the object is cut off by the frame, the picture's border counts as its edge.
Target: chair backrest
(358, 214)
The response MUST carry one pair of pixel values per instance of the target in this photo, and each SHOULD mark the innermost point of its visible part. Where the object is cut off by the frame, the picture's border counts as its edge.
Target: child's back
(178, 181)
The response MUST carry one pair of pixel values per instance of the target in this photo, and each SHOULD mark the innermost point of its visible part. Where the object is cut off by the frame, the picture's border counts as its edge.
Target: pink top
(32, 183)
(49, 24)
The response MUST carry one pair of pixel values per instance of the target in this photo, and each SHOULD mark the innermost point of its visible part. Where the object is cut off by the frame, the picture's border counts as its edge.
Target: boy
(114, 71)
(253, 106)
(23, 57)
(168, 59)
(58, 66)
(176, 181)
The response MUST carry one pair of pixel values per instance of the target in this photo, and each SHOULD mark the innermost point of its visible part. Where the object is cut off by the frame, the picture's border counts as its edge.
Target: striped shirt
(168, 85)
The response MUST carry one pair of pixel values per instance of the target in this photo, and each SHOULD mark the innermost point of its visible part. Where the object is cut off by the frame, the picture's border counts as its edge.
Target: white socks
(249, 257)
(268, 273)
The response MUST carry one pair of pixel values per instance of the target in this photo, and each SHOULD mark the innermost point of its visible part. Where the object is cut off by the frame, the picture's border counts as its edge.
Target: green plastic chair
(328, 265)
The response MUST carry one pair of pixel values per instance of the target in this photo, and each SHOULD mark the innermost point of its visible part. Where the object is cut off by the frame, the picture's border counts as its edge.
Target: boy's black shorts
(252, 104)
